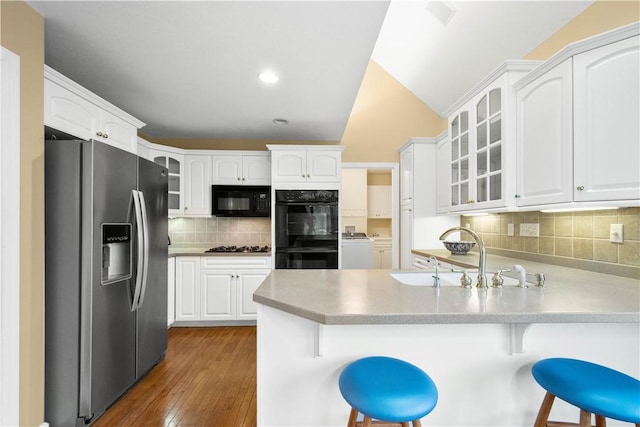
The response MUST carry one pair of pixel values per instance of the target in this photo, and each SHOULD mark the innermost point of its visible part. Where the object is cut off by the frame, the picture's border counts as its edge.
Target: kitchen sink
(447, 278)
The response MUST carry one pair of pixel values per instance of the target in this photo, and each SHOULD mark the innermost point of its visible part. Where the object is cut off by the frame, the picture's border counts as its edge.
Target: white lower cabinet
(382, 253)
(218, 288)
(171, 292)
(217, 294)
(187, 288)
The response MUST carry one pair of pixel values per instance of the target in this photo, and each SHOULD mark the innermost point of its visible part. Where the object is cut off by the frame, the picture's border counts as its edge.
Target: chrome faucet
(482, 263)
(436, 278)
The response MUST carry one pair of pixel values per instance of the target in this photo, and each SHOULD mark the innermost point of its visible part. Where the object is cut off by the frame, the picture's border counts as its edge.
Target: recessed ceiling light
(281, 121)
(268, 77)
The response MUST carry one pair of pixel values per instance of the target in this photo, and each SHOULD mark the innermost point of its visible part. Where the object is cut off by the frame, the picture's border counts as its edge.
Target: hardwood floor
(207, 379)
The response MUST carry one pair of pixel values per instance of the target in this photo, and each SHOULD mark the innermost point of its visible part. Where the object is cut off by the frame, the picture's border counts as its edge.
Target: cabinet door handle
(99, 133)
(308, 176)
(243, 178)
(303, 176)
(105, 136)
(580, 188)
(238, 178)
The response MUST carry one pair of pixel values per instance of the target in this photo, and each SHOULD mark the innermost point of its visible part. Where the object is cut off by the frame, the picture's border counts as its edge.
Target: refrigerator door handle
(145, 232)
(141, 245)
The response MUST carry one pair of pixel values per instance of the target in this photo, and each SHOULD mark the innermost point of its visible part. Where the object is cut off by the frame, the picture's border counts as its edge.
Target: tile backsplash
(218, 231)
(580, 235)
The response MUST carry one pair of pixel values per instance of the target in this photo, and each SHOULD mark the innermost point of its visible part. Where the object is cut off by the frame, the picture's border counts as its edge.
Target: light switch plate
(616, 233)
(530, 230)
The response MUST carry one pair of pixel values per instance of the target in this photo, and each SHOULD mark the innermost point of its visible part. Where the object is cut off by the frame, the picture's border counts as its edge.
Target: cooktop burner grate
(239, 249)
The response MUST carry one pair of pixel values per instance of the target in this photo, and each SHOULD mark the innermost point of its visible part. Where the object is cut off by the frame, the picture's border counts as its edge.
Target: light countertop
(352, 297)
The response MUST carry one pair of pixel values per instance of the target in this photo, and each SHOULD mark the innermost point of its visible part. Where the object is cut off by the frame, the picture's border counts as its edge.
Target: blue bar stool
(388, 390)
(594, 389)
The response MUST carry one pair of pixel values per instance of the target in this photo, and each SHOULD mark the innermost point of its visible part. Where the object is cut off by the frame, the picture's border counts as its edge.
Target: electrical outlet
(616, 233)
(530, 230)
(510, 230)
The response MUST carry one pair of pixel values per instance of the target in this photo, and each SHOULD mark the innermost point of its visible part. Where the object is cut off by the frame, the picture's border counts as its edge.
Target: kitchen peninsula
(478, 345)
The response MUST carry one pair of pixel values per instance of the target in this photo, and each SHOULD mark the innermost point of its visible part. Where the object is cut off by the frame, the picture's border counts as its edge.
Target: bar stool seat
(595, 389)
(387, 389)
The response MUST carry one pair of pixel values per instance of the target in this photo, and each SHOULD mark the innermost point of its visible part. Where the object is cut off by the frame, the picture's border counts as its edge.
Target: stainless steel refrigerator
(105, 276)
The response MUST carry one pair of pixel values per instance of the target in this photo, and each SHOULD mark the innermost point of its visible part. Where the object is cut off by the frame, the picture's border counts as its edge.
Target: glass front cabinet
(174, 164)
(482, 143)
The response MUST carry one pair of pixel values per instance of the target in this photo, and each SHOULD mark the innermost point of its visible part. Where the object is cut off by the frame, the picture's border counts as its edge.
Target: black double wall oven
(306, 229)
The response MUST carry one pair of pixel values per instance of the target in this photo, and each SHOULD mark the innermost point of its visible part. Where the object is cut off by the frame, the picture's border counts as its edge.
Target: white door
(247, 283)
(171, 291)
(406, 176)
(289, 166)
(227, 170)
(217, 295)
(406, 236)
(324, 166)
(606, 122)
(256, 170)
(188, 288)
(197, 197)
(443, 176)
(544, 170)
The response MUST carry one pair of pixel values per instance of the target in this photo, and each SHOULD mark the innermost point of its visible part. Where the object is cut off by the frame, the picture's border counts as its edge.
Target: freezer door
(152, 310)
(107, 358)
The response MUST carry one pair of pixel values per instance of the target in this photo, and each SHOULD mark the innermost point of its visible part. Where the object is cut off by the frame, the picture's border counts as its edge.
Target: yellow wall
(22, 32)
(384, 116)
(603, 15)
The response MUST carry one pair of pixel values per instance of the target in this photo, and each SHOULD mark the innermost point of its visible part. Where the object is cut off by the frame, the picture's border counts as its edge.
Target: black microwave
(241, 200)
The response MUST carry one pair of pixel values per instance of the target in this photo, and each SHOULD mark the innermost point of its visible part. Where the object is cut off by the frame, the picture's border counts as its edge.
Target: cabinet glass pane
(464, 169)
(494, 101)
(481, 193)
(174, 166)
(482, 135)
(464, 145)
(454, 195)
(495, 182)
(464, 121)
(174, 183)
(162, 161)
(495, 129)
(174, 201)
(454, 172)
(495, 158)
(454, 128)
(481, 167)
(464, 192)
(454, 149)
(481, 109)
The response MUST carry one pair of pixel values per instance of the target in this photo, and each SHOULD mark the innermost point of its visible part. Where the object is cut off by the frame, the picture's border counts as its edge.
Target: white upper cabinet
(197, 195)
(606, 116)
(443, 178)
(578, 123)
(237, 169)
(174, 163)
(306, 164)
(70, 108)
(482, 143)
(544, 131)
(406, 177)
(354, 192)
(379, 201)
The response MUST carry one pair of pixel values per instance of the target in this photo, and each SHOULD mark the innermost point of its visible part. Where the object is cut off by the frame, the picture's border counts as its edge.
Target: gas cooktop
(239, 249)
